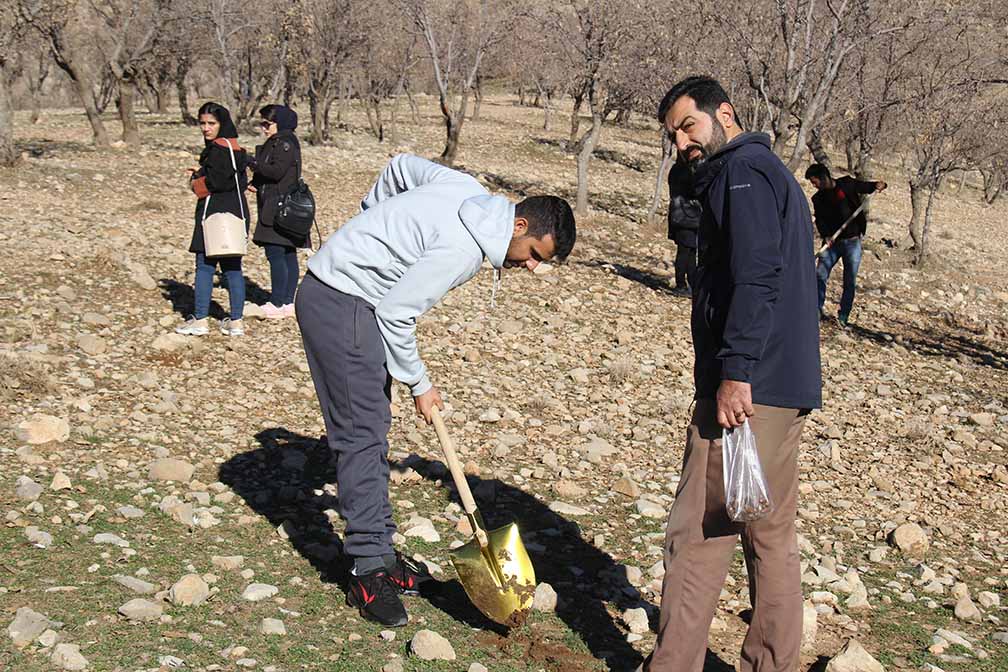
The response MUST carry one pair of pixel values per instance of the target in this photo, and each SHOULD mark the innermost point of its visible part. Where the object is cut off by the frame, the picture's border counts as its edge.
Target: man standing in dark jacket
(756, 343)
(683, 221)
(834, 202)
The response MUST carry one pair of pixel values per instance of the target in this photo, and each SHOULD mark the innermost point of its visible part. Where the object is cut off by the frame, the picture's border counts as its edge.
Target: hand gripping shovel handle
(465, 494)
(832, 239)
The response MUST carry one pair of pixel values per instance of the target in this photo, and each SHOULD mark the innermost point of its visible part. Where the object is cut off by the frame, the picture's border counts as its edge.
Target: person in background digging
(276, 169)
(756, 345)
(217, 180)
(834, 202)
(683, 220)
(423, 230)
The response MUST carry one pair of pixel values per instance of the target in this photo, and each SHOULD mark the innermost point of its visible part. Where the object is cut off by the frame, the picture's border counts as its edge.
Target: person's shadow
(279, 481)
(183, 301)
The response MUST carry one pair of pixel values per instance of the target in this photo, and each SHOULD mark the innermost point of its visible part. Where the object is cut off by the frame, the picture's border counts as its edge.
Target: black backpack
(296, 214)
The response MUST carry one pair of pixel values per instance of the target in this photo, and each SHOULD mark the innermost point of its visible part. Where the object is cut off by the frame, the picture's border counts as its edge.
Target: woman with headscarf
(277, 168)
(219, 184)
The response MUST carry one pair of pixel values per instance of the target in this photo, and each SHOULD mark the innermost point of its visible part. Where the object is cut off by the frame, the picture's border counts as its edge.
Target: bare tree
(10, 30)
(458, 34)
(383, 66)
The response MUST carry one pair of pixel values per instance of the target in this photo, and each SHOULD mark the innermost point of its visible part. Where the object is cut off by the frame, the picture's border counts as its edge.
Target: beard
(717, 141)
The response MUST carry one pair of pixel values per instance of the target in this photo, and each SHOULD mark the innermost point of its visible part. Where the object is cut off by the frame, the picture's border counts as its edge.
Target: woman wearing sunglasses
(277, 168)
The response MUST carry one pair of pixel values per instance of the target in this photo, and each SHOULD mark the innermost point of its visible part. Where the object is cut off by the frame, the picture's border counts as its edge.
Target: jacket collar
(705, 173)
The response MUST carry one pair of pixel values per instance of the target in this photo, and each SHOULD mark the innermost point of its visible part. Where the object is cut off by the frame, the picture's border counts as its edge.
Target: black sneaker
(407, 574)
(377, 599)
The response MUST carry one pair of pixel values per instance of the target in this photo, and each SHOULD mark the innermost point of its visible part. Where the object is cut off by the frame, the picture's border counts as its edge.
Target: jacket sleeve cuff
(199, 187)
(737, 368)
(421, 386)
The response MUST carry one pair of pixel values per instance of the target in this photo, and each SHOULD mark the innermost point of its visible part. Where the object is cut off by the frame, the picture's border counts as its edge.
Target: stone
(68, 657)
(854, 658)
(27, 490)
(989, 600)
(636, 620)
(41, 428)
(429, 645)
(38, 537)
(111, 539)
(256, 592)
(982, 419)
(91, 344)
(189, 591)
(910, 539)
(27, 625)
(60, 481)
(130, 512)
(136, 585)
(810, 624)
(476, 667)
(272, 626)
(568, 489)
(139, 609)
(142, 278)
(565, 509)
(394, 665)
(228, 562)
(545, 598)
(387, 635)
(650, 509)
(966, 610)
(170, 469)
(626, 486)
(421, 527)
(171, 342)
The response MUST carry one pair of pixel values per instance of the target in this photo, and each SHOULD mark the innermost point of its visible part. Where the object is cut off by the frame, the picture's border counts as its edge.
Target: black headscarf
(286, 119)
(227, 127)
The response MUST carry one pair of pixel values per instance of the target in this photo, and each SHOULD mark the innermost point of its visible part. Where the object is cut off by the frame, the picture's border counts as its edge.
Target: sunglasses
(266, 124)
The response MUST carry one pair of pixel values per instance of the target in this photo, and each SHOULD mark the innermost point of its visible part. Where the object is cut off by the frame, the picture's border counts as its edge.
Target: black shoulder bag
(296, 212)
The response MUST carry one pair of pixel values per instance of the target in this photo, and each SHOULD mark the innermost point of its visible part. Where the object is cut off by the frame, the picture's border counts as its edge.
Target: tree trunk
(8, 150)
(917, 207)
(547, 109)
(781, 136)
(815, 146)
(318, 123)
(130, 132)
(478, 92)
(575, 121)
(587, 146)
(922, 249)
(393, 122)
(183, 100)
(668, 154)
(82, 84)
(852, 148)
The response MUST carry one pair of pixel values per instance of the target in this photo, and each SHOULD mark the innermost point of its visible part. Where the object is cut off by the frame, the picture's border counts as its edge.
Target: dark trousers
(346, 357)
(685, 266)
(284, 271)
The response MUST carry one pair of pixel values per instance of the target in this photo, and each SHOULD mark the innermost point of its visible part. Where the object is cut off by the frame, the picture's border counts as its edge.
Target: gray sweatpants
(347, 362)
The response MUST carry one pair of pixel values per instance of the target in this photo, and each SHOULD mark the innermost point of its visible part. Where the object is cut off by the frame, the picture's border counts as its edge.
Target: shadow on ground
(182, 297)
(278, 481)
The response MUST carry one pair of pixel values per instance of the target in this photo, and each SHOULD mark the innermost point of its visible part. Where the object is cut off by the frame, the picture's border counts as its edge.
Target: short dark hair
(706, 92)
(550, 215)
(818, 171)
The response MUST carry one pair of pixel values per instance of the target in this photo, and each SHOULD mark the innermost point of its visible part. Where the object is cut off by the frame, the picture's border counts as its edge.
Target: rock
(858, 599)
(395, 665)
(131, 512)
(27, 490)
(854, 658)
(476, 667)
(810, 624)
(142, 278)
(636, 620)
(626, 486)
(170, 469)
(965, 610)
(171, 342)
(228, 562)
(111, 539)
(140, 609)
(38, 537)
(421, 527)
(650, 509)
(27, 625)
(566, 509)
(387, 635)
(429, 645)
(982, 419)
(989, 600)
(597, 449)
(189, 591)
(68, 657)
(910, 539)
(91, 344)
(545, 598)
(272, 626)
(568, 489)
(135, 584)
(41, 428)
(60, 481)
(259, 591)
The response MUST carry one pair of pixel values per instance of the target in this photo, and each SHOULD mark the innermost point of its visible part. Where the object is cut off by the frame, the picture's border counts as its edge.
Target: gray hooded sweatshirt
(423, 230)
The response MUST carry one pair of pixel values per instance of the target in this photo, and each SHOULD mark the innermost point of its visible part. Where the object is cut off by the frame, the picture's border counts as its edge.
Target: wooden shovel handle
(448, 446)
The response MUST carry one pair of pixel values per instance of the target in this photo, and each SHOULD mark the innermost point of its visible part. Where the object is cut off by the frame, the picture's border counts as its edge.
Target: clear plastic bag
(747, 495)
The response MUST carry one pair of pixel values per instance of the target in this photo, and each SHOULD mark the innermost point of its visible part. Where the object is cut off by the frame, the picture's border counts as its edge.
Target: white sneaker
(230, 327)
(193, 327)
(287, 310)
(272, 312)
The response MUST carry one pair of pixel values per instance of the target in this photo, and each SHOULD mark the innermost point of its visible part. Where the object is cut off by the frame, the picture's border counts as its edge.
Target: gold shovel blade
(500, 581)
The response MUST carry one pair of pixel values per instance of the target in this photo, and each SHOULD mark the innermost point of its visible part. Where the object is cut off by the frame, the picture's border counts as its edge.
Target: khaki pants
(700, 541)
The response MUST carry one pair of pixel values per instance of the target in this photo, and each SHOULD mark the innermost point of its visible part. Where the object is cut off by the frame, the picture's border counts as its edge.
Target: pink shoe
(271, 312)
(287, 310)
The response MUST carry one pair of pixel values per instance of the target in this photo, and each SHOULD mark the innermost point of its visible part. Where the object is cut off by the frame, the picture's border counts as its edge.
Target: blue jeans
(232, 269)
(284, 272)
(848, 249)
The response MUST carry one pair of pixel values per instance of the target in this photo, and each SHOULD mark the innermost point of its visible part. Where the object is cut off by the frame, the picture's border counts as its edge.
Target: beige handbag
(224, 235)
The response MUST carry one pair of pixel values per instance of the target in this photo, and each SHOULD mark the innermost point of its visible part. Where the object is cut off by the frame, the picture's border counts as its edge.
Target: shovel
(494, 567)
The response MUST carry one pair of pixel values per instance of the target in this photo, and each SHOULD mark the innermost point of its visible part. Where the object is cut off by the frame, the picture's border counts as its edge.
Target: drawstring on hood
(496, 286)
(490, 221)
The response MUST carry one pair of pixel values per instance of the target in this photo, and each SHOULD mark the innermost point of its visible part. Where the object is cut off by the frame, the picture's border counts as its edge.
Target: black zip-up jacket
(755, 316)
(833, 207)
(683, 209)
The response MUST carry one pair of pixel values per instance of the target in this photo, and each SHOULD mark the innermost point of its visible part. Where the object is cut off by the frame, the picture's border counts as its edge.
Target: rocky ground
(166, 502)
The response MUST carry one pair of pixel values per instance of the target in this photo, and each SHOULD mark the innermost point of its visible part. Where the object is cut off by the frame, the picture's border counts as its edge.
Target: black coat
(218, 175)
(684, 210)
(833, 206)
(277, 169)
(755, 304)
